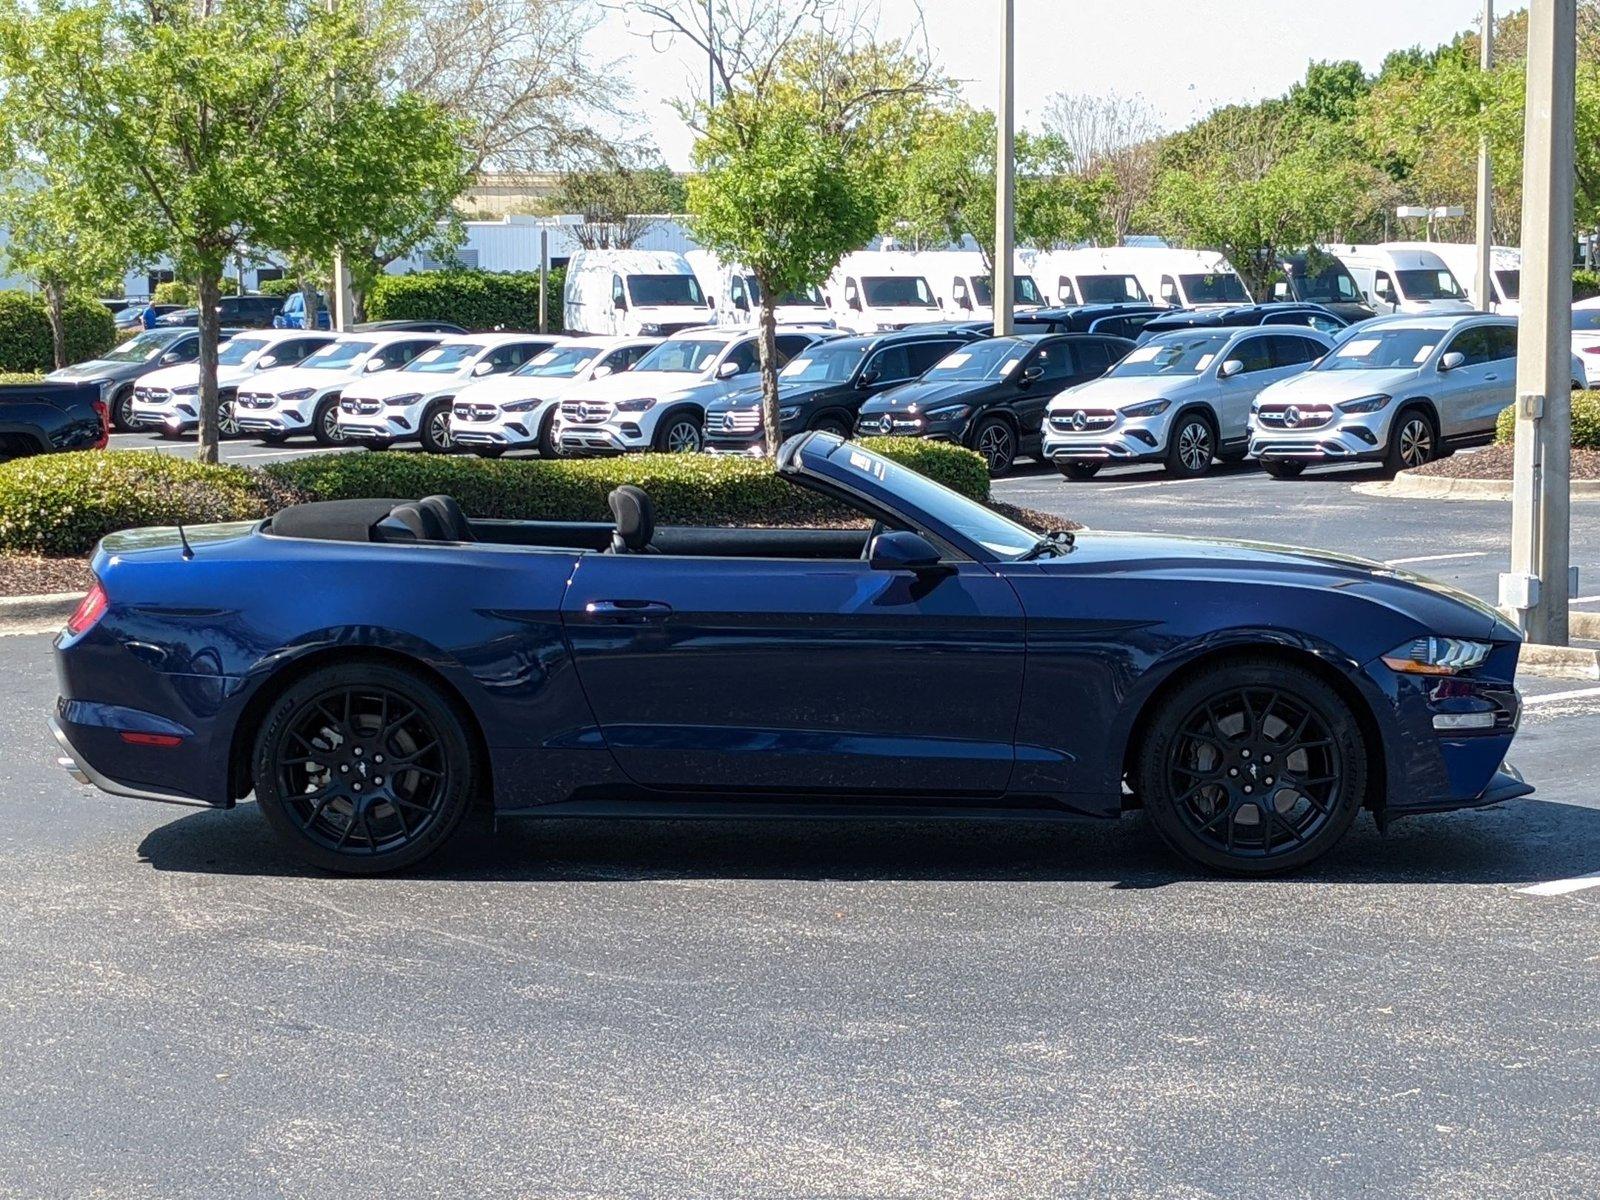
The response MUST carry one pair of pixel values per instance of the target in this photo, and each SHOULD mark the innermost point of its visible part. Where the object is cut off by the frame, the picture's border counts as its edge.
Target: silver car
(1182, 399)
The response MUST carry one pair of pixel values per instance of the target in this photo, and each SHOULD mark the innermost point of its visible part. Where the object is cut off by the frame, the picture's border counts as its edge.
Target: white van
(735, 296)
(1505, 271)
(1092, 275)
(633, 293)
(1397, 280)
(964, 284)
(875, 291)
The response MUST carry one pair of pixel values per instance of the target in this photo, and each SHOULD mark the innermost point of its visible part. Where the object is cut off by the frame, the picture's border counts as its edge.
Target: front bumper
(172, 420)
(1329, 443)
(504, 434)
(1116, 441)
(376, 429)
(580, 440)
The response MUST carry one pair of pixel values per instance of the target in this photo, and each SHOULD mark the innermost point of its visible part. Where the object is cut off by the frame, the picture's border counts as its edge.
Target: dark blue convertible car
(370, 669)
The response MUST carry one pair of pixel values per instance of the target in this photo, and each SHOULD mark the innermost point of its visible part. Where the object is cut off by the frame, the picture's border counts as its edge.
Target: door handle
(623, 611)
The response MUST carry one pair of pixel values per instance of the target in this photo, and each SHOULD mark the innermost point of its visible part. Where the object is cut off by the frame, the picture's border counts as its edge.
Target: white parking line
(1562, 887)
(1557, 697)
(1128, 487)
(1400, 562)
(286, 450)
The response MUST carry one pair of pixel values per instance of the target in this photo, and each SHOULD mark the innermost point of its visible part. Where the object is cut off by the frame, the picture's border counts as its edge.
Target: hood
(383, 384)
(925, 395)
(182, 375)
(1129, 389)
(1331, 387)
(95, 368)
(1436, 607)
(506, 389)
(1426, 307)
(287, 379)
(631, 385)
(788, 393)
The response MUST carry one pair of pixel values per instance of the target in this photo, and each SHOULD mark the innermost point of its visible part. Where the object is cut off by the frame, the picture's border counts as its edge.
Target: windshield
(1331, 285)
(236, 350)
(1219, 288)
(1003, 538)
(1023, 290)
(811, 297)
(442, 360)
(1382, 349)
(687, 356)
(139, 349)
(897, 291)
(667, 291)
(1429, 285)
(825, 364)
(1172, 354)
(1109, 289)
(559, 362)
(1510, 284)
(337, 357)
(992, 359)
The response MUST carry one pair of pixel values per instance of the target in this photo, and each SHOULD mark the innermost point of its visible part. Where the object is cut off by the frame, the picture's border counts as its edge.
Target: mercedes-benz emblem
(727, 420)
(1291, 416)
(1080, 420)
(886, 423)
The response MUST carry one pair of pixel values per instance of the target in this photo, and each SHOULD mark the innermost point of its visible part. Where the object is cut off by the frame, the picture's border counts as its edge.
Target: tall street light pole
(342, 301)
(1004, 181)
(1541, 514)
(1485, 296)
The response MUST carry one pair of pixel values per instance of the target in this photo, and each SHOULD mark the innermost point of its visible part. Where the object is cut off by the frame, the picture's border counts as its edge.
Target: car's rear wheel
(997, 442)
(1412, 441)
(679, 433)
(325, 423)
(1254, 767)
(1078, 470)
(1281, 468)
(1191, 445)
(227, 418)
(363, 769)
(436, 435)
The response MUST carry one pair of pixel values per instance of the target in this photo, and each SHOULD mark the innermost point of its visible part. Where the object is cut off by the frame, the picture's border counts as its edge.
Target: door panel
(799, 676)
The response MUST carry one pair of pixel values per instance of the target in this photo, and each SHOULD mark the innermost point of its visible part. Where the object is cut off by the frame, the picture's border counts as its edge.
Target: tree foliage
(619, 195)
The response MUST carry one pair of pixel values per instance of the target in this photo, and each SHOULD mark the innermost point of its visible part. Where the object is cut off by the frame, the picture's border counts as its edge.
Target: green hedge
(474, 299)
(1585, 285)
(65, 503)
(287, 286)
(20, 376)
(176, 291)
(25, 343)
(1585, 421)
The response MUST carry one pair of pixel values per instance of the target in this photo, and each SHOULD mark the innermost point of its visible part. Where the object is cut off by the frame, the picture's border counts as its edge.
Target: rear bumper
(77, 765)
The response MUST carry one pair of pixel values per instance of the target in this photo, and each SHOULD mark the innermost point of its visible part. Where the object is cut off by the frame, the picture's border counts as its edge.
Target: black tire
(547, 438)
(325, 423)
(834, 424)
(1216, 745)
(997, 442)
(122, 411)
(1191, 445)
(342, 725)
(380, 445)
(274, 439)
(435, 428)
(1282, 468)
(1412, 441)
(488, 451)
(679, 433)
(1078, 470)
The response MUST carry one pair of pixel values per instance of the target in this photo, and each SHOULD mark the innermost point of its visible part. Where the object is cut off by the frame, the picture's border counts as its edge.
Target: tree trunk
(771, 425)
(209, 287)
(308, 296)
(55, 302)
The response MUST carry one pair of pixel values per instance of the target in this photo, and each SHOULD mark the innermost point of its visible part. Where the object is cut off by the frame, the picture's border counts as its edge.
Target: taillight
(104, 413)
(1591, 349)
(90, 609)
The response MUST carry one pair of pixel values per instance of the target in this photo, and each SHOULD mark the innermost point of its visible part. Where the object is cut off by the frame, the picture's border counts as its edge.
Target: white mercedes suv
(168, 400)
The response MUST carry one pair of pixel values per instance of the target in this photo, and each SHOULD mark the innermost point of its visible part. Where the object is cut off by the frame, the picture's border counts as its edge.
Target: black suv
(991, 395)
(249, 312)
(824, 385)
(1306, 316)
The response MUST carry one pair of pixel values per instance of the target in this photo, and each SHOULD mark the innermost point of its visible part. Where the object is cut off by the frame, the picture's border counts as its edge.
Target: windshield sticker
(429, 355)
(1357, 348)
(1205, 361)
(1144, 354)
(796, 365)
(1422, 354)
(951, 361)
(1011, 365)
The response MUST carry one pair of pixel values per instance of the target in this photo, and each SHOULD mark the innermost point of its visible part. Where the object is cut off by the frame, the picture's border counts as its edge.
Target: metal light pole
(342, 301)
(1541, 515)
(1004, 183)
(1485, 289)
(711, 56)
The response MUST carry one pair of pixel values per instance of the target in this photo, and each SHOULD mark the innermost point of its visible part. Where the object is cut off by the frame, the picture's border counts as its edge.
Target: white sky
(1184, 56)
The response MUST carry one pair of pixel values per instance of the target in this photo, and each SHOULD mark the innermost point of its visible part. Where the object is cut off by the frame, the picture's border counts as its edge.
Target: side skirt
(1017, 809)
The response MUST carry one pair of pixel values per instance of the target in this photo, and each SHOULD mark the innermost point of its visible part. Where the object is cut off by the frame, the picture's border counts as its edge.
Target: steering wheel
(866, 548)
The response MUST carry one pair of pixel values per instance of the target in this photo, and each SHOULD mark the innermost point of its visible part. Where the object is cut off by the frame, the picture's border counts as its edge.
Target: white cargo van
(632, 293)
(964, 284)
(875, 291)
(1505, 271)
(735, 296)
(1093, 275)
(1397, 280)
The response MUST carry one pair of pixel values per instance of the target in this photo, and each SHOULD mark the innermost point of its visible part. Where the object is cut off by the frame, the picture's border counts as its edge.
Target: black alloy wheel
(1255, 767)
(997, 443)
(1190, 446)
(436, 436)
(1077, 470)
(1283, 468)
(837, 426)
(1412, 441)
(363, 769)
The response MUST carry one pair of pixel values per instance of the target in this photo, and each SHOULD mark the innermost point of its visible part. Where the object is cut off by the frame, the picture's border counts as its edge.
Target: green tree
(619, 194)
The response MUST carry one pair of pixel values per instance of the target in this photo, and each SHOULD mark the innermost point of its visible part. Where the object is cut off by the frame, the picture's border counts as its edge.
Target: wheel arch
(267, 692)
(1203, 409)
(833, 411)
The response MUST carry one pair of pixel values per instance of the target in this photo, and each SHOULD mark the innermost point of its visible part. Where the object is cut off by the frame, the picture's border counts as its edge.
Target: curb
(39, 608)
(1408, 486)
(1558, 662)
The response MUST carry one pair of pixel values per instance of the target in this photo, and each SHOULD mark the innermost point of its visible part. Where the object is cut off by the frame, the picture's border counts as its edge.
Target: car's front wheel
(122, 411)
(1252, 767)
(436, 435)
(364, 768)
(679, 433)
(1282, 468)
(1412, 442)
(227, 418)
(1191, 445)
(1077, 470)
(325, 423)
(995, 440)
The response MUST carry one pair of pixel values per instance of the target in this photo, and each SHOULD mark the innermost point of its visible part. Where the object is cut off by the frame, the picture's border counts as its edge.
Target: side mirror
(601, 371)
(483, 368)
(853, 300)
(1032, 373)
(742, 304)
(374, 364)
(265, 361)
(620, 303)
(965, 301)
(1229, 369)
(867, 378)
(727, 370)
(901, 550)
(171, 356)
(1452, 360)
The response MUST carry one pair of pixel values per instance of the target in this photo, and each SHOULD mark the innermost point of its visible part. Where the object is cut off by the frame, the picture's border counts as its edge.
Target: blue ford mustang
(371, 668)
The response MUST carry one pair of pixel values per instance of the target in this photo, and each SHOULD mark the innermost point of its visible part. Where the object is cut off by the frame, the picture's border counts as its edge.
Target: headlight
(950, 412)
(1367, 404)
(521, 406)
(187, 389)
(297, 395)
(402, 401)
(641, 405)
(650, 329)
(884, 327)
(788, 412)
(1436, 655)
(1150, 408)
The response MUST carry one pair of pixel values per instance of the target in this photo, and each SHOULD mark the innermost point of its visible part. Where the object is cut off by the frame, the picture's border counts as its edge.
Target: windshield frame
(841, 350)
(159, 343)
(999, 351)
(256, 347)
(1186, 340)
(1384, 333)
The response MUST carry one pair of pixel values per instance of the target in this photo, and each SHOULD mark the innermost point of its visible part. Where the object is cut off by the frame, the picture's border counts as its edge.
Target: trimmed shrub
(473, 299)
(286, 286)
(176, 291)
(1585, 284)
(65, 503)
(25, 343)
(1585, 422)
(20, 377)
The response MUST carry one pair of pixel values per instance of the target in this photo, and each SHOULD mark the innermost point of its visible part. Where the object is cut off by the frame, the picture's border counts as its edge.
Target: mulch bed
(25, 575)
(1495, 462)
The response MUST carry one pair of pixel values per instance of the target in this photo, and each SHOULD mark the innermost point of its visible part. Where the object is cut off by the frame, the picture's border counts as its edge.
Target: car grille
(585, 412)
(256, 399)
(1294, 416)
(364, 407)
(152, 395)
(476, 412)
(736, 420)
(1083, 420)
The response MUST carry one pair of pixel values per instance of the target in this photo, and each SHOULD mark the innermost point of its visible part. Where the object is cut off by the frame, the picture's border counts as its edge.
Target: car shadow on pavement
(1519, 842)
